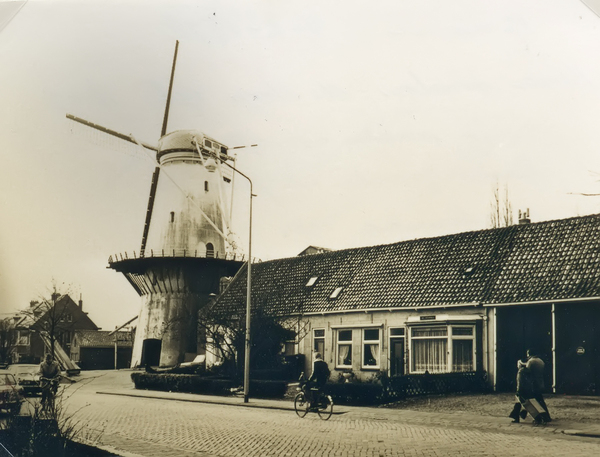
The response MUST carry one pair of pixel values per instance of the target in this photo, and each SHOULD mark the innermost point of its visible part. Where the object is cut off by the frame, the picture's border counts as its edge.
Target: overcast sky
(377, 122)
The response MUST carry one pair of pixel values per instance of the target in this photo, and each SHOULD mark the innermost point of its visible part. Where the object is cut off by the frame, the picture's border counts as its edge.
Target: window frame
(318, 338)
(450, 337)
(364, 342)
(339, 343)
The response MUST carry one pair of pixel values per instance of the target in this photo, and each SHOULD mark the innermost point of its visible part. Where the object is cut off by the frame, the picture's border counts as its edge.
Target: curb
(212, 402)
(201, 400)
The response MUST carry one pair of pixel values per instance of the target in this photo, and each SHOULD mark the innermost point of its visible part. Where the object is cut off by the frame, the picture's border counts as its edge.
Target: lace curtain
(344, 355)
(430, 355)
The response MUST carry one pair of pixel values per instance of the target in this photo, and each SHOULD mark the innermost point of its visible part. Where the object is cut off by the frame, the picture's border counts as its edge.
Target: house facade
(466, 302)
(61, 317)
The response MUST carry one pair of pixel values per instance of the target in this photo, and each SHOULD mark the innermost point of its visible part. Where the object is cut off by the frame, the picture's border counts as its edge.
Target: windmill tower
(186, 244)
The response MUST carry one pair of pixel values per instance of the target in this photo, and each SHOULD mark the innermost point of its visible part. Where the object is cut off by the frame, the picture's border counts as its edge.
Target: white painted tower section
(190, 208)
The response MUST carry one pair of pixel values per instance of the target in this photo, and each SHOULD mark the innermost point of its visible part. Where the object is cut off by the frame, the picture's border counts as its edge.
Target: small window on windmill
(223, 150)
(311, 282)
(205, 186)
(210, 250)
(336, 293)
(172, 216)
(208, 143)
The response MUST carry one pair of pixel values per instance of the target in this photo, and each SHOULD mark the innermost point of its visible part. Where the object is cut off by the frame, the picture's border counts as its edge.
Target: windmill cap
(184, 141)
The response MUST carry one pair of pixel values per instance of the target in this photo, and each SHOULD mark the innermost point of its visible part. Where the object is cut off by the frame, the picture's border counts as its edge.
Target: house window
(289, 348)
(371, 348)
(319, 340)
(344, 349)
(22, 337)
(442, 349)
(397, 345)
(462, 348)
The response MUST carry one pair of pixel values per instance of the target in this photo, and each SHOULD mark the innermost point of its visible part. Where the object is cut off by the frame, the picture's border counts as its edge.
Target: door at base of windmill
(151, 352)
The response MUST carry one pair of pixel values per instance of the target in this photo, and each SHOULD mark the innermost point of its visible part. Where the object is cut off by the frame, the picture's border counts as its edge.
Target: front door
(396, 356)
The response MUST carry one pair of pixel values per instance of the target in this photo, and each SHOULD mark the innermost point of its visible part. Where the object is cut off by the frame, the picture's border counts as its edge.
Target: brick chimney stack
(524, 217)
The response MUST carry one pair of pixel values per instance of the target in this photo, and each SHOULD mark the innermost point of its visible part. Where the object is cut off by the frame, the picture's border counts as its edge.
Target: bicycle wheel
(300, 405)
(325, 409)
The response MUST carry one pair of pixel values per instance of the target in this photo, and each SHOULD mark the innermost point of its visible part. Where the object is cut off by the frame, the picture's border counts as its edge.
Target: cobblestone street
(158, 427)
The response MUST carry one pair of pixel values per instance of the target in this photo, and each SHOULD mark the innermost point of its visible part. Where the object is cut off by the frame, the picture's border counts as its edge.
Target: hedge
(349, 393)
(195, 384)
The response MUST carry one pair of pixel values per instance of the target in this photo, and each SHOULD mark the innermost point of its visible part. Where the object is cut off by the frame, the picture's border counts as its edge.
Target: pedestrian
(524, 391)
(535, 365)
(530, 384)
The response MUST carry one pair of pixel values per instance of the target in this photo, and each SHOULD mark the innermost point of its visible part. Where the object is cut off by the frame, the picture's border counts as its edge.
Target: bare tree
(53, 317)
(8, 340)
(224, 330)
(501, 212)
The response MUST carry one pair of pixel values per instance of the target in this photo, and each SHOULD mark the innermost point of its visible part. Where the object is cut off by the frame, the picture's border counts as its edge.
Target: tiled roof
(102, 338)
(521, 263)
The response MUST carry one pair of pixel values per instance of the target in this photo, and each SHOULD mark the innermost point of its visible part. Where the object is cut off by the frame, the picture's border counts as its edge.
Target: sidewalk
(455, 419)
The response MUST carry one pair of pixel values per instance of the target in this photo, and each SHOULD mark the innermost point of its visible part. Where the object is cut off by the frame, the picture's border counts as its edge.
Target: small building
(466, 302)
(102, 350)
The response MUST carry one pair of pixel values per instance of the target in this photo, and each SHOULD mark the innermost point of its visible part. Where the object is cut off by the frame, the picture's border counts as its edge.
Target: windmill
(187, 245)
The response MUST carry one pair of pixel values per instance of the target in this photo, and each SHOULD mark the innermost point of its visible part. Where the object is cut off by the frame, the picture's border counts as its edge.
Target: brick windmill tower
(186, 244)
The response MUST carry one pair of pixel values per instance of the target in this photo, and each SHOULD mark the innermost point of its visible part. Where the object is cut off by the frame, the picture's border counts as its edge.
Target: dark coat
(320, 373)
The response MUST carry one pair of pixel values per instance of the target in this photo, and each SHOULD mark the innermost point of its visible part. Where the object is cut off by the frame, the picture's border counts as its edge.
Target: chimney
(80, 302)
(524, 217)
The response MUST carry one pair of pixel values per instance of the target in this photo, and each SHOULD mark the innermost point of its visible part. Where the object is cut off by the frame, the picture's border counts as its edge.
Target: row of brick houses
(467, 302)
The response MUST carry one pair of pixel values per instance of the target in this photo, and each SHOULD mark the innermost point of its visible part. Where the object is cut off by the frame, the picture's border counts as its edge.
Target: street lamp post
(211, 166)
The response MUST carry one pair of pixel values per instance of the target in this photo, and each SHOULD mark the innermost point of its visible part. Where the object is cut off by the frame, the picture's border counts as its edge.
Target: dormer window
(311, 282)
(336, 293)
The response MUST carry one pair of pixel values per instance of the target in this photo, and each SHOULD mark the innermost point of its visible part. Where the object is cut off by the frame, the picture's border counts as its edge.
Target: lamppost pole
(248, 307)
(248, 286)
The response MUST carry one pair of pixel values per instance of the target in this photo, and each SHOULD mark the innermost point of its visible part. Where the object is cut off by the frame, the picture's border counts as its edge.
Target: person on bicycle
(50, 370)
(319, 376)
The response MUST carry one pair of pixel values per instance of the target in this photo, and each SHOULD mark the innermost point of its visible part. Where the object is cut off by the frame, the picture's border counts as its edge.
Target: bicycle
(305, 400)
(49, 389)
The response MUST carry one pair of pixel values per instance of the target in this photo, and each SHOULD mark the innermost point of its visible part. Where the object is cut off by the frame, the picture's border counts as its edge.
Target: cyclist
(50, 374)
(318, 378)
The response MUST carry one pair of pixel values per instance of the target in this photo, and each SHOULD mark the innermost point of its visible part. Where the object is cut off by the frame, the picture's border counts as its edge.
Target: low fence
(390, 389)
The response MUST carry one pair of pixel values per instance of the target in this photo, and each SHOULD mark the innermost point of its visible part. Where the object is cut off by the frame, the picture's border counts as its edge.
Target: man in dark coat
(318, 378)
(535, 365)
(530, 384)
(320, 373)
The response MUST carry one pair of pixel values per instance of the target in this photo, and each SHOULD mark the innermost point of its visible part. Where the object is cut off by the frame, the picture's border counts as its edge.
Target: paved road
(154, 427)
